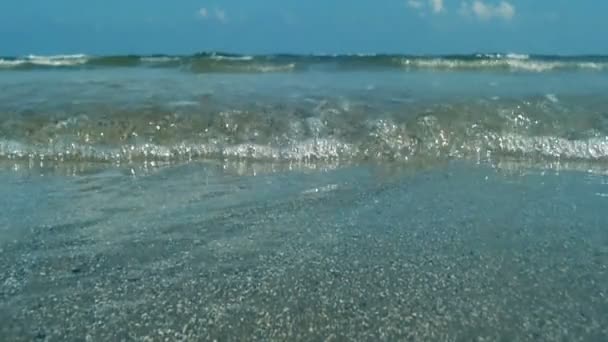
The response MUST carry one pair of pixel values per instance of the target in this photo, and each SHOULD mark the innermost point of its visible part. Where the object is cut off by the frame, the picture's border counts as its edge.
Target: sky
(303, 26)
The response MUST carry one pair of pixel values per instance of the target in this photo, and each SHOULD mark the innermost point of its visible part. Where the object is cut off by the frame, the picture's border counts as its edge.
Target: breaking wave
(221, 62)
(45, 61)
(322, 134)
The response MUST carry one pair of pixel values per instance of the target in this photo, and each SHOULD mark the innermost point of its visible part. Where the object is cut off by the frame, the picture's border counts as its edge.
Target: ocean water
(285, 197)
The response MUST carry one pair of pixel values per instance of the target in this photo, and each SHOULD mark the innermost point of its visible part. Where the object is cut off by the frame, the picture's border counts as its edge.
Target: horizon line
(313, 54)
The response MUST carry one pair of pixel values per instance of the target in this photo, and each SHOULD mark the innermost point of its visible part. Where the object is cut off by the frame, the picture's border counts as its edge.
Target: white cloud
(436, 6)
(203, 13)
(484, 11)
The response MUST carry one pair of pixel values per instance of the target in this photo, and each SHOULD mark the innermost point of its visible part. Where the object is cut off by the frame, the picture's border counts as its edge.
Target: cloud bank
(435, 6)
(218, 14)
(476, 8)
(485, 11)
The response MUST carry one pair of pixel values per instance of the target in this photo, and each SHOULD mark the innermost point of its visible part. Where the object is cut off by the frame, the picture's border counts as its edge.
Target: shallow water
(453, 252)
(157, 204)
(137, 114)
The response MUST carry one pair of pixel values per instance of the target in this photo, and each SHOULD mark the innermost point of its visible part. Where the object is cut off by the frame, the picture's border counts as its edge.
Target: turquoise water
(450, 201)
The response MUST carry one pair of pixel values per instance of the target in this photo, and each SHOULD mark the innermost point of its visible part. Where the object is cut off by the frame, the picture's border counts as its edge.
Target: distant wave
(159, 59)
(517, 64)
(232, 58)
(518, 56)
(50, 61)
(219, 62)
(501, 56)
(10, 63)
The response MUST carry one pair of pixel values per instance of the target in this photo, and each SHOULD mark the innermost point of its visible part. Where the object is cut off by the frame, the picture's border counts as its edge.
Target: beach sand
(456, 252)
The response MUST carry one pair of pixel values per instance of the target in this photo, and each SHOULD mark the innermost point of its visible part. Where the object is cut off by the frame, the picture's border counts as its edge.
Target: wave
(45, 61)
(159, 59)
(231, 58)
(10, 63)
(238, 66)
(220, 62)
(519, 63)
(316, 150)
(518, 56)
(324, 134)
(503, 56)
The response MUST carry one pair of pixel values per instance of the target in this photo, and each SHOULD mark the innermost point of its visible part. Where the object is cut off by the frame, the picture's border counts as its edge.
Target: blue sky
(303, 26)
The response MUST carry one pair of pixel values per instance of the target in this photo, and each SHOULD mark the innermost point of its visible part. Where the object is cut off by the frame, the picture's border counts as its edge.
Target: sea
(360, 197)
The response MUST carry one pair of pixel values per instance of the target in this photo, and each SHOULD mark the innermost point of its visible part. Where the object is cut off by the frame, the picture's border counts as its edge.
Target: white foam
(516, 63)
(183, 103)
(74, 56)
(57, 60)
(326, 188)
(552, 98)
(552, 147)
(591, 65)
(232, 58)
(162, 59)
(273, 68)
(518, 56)
(54, 60)
(6, 63)
(521, 64)
(488, 55)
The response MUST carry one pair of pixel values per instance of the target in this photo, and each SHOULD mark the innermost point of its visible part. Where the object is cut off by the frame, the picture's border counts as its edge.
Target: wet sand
(454, 253)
